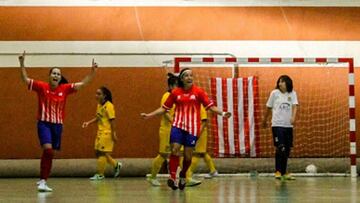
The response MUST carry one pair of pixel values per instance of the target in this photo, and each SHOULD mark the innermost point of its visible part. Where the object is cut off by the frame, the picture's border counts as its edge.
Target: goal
(325, 126)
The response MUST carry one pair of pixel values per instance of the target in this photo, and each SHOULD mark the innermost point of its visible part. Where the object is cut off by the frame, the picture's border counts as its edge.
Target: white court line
(263, 175)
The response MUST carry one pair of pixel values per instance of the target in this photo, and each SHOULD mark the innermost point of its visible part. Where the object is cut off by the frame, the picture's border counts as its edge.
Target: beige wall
(179, 23)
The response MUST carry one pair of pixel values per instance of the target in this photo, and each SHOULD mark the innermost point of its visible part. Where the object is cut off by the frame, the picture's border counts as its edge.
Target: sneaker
(117, 169)
(153, 181)
(182, 183)
(171, 183)
(97, 177)
(282, 178)
(288, 176)
(192, 182)
(211, 175)
(277, 175)
(42, 187)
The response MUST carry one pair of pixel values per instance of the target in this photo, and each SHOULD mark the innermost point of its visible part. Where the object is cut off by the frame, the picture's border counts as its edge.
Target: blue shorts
(50, 133)
(182, 137)
(282, 136)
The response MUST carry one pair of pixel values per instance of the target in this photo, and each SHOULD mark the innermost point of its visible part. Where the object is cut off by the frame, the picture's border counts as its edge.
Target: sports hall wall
(137, 87)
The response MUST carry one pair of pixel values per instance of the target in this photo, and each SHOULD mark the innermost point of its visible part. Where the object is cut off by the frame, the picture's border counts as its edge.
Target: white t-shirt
(281, 104)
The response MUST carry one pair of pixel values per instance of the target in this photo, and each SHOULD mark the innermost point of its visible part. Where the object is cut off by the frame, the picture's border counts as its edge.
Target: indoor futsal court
(179, 101)
(223, 189)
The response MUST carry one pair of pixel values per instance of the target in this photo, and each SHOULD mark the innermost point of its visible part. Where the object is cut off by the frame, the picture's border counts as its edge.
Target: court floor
(217, 190)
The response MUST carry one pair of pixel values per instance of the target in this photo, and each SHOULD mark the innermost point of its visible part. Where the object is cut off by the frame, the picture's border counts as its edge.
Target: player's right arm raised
(24, 76)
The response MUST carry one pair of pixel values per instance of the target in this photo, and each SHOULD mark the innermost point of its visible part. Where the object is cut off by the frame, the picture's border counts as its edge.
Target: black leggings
(281, 156)
(283, 141)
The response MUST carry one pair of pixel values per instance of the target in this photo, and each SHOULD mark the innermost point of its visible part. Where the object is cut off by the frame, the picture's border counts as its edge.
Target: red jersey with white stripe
(187, 109)
(51, 102)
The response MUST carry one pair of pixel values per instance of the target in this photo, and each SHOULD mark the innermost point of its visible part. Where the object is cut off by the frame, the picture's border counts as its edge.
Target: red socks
(46, 163)
(173, 165)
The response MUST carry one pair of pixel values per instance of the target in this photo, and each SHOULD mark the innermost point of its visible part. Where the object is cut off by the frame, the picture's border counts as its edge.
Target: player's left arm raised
(88, 78)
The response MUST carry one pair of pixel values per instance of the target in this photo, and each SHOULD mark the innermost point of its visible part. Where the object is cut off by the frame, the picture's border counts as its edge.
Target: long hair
(180, 83)
(288, 82)
(63, 80)
(172, 80)
(107, 93)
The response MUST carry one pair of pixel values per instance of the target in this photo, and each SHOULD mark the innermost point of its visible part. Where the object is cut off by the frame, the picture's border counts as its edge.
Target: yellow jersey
(164, 123)
(104, 114)
(201, 144)
(203, 113)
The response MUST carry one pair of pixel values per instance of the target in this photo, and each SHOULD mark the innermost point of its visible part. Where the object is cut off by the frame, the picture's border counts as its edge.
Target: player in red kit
(186, 124)
(51, 112)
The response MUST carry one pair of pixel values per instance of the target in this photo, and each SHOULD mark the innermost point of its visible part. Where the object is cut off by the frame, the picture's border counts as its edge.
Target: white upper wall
(58, 53)
(325, 3)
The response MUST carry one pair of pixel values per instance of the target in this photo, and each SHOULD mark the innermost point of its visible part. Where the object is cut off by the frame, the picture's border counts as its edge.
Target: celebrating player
(51, 112)
(106, 135)
(283, 104)
(186, 125)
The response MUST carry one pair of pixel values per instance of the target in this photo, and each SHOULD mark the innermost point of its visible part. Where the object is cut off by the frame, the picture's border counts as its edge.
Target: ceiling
(309, 3)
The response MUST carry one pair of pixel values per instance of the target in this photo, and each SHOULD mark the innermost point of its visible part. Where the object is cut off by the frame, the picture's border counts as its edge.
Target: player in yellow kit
(106, 135)
(201, 152)
(164, 134)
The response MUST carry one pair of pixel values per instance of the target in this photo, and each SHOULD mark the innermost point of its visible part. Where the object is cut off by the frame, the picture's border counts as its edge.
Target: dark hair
(180, 83)
(107, 93)
(288, 82)
(172, 80)
(63, 80)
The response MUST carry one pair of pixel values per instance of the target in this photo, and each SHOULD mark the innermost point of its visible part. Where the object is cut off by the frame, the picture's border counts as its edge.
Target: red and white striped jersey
(51, 102)
(187, 109)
